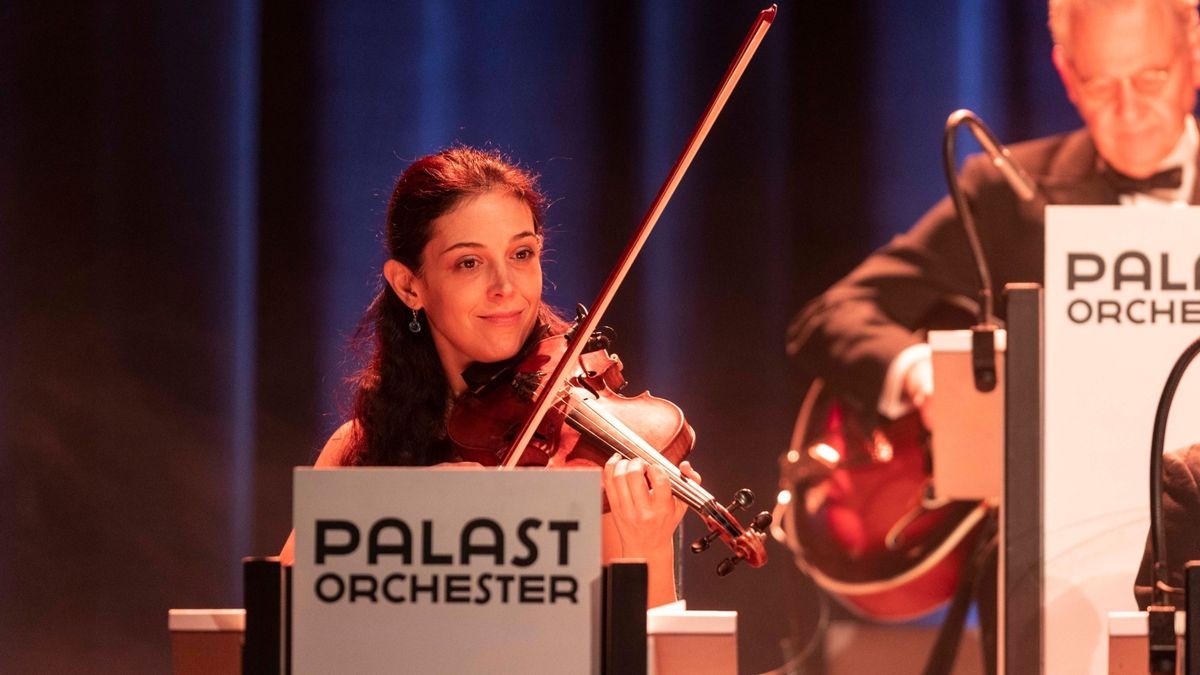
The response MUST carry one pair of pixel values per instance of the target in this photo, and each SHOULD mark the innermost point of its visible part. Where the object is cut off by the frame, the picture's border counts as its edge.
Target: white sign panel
(1121, 305)
(446, 571)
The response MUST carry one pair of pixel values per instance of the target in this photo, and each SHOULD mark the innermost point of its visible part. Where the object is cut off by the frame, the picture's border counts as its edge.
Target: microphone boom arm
(983, 344)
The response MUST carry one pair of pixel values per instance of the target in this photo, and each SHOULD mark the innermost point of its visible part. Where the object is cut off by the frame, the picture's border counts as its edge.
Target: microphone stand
(983, 333)
(983, 346)
(1161, 611)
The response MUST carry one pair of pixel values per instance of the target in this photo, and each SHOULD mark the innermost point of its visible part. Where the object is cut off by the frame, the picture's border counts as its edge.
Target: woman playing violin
(463, 285)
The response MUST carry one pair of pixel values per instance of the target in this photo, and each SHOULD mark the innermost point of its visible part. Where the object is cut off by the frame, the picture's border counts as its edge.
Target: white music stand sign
(446, 571)
(1121, 304)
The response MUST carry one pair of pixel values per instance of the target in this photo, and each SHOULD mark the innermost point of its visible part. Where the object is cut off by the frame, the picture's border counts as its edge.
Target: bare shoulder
(337, 449)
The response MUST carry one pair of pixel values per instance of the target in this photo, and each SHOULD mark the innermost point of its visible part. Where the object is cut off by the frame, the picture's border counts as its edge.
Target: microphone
(1001, 158)
(983, 349)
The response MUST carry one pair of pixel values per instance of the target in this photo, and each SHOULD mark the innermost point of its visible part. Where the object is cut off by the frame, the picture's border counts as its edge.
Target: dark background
(190, 196)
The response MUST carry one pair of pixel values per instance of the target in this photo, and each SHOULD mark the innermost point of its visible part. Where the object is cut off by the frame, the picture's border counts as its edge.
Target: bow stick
(589, 323)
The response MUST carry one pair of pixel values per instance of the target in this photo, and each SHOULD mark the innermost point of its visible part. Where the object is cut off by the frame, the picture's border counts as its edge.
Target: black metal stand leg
(262, 588)
(1191, 649)
(624, 632)
(1021, 647)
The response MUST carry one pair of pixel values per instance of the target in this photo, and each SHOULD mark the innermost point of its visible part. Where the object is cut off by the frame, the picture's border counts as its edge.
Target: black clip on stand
(623, 636)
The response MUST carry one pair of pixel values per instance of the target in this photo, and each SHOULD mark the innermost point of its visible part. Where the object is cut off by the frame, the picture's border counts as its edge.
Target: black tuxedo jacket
(926, 278)
(850, 334)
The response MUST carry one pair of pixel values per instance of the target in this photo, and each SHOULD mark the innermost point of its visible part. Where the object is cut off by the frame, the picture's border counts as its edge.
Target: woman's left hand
(644, 510)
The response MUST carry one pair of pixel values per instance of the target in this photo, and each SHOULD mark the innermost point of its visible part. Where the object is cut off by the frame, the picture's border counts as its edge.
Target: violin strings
(597, 425)
(600, 426)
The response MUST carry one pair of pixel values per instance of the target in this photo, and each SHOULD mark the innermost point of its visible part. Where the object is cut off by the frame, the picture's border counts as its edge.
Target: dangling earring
(414, 326)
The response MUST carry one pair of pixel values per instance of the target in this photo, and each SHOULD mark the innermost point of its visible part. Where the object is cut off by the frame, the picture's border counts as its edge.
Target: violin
(589, 423)
(564, 389)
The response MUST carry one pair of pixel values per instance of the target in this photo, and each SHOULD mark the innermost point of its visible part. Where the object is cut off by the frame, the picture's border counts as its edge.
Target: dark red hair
(402, 394)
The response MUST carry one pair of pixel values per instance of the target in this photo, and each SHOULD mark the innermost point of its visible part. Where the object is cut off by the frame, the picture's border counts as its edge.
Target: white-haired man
(1131, 68)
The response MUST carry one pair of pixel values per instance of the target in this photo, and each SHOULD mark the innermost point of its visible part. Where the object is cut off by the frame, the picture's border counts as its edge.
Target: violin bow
(589, 323)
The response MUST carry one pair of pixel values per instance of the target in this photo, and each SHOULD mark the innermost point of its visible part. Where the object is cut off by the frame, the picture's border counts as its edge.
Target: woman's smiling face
(480, 282)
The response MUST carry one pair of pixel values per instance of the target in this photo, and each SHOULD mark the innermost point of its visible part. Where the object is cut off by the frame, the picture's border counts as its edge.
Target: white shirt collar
(1184, 155)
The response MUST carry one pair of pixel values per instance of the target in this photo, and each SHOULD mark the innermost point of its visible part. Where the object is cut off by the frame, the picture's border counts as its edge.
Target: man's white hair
(1061, 11)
